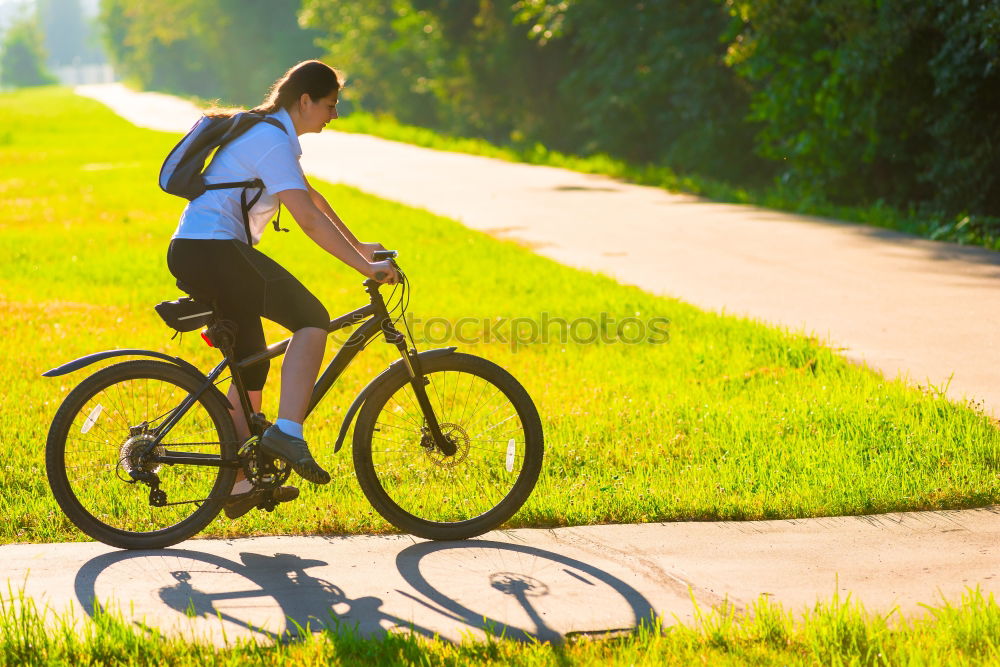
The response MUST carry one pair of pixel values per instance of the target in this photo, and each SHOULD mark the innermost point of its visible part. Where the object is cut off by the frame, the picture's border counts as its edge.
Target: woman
(210, 257)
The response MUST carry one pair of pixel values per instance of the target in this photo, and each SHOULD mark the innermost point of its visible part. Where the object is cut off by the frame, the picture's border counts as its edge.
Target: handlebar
(382, 255)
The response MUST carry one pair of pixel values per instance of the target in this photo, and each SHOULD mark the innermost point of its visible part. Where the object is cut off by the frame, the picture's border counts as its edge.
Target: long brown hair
(312, 77)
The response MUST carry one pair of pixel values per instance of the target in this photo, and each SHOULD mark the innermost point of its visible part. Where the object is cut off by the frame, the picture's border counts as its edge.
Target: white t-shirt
(263, 152)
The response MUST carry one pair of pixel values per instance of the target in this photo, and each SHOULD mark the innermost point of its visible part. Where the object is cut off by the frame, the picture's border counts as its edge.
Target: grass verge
(722, 418)
(840, 632)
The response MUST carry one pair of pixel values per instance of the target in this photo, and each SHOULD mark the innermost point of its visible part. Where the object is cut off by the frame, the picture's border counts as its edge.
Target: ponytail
(311, 77)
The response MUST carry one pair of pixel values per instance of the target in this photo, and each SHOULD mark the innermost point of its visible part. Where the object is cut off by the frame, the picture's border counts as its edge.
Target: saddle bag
(185, 314)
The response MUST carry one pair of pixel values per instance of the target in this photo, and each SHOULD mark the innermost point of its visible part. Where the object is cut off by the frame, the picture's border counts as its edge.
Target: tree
(865, 100)
(69, 34)
(22, 57)
(230, 50)
(641, 79)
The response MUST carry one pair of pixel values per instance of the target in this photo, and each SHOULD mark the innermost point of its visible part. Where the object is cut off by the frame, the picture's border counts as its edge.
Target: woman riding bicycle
(211, 258)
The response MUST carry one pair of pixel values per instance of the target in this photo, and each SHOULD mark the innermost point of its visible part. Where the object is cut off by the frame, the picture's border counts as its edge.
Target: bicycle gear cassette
(131, 459)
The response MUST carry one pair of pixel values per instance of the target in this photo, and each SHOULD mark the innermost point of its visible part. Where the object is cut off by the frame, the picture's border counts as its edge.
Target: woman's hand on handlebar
(383, 272)
(368, 249)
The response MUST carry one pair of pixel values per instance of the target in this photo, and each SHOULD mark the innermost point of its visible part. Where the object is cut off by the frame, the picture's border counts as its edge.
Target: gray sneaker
(279, 444)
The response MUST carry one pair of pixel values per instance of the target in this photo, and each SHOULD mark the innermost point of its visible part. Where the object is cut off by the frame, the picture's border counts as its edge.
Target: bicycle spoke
(398, 428)
(476, 414)
(495, 425)
(497, 394)
(406, 412)
(95, 468)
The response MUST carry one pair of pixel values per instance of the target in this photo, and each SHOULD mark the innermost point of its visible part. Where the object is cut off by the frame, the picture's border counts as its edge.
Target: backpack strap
(256, 184)
(245, 206)
(234, 184)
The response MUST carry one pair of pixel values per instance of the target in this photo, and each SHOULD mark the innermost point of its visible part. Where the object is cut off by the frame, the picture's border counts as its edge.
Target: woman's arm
(330, 233)
(366, 249)
(323, 205)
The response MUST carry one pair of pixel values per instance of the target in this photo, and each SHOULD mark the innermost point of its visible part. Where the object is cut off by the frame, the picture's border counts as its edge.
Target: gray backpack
(182, 171)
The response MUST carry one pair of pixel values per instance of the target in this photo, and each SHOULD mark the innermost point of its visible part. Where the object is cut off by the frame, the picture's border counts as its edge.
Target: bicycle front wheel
(98, 436)
(492, 421)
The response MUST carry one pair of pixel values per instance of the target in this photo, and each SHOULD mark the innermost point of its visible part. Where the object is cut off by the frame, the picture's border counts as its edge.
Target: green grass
(840, 632)
(729, 419)
(958, 228)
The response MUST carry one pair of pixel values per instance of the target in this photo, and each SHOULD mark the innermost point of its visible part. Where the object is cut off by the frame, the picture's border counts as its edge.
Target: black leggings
(245, 284)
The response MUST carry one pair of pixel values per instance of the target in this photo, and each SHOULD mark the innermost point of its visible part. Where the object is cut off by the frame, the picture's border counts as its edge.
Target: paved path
(525, 583)
(899, 303)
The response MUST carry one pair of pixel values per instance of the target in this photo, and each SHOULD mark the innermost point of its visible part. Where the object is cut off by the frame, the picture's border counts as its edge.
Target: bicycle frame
(374, 319)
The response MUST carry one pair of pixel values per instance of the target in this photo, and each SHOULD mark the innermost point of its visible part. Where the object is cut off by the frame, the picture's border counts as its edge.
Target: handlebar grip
(381, 275)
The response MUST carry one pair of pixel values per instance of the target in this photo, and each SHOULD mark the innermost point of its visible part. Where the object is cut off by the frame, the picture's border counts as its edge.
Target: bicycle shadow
(526, 589)
(307, 603)
(199, 585)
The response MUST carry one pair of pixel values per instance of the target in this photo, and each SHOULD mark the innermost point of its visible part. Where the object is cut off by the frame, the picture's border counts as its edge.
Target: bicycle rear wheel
(493, 422)
(96, 438)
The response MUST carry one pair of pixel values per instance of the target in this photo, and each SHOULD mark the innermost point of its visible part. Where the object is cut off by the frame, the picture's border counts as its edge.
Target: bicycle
(143, 454)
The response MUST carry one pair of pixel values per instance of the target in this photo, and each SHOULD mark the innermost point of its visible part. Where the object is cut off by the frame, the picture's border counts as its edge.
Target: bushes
(222, 49)
(865, 100)
(640, 80)
(865, 103)
(22, 56)
(647, 82)
(852, 102)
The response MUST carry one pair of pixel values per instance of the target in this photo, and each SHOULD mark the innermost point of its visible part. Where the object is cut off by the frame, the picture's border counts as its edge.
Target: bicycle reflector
(204, 337)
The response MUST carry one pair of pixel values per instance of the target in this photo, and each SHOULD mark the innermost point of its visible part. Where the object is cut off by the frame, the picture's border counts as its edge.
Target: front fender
(395, 368)
(82, 362)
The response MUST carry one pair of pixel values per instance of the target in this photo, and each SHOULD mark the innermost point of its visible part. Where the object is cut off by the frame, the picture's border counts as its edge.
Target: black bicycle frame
(374, 319)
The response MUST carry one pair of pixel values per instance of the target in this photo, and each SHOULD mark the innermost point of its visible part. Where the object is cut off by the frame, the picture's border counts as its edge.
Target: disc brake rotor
(454, 434)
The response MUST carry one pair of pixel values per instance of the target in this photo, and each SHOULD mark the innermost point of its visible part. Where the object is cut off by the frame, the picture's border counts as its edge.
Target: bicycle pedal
(267, 504)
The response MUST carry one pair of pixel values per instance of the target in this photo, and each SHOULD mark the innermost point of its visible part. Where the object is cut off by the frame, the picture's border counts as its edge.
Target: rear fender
(83, 362)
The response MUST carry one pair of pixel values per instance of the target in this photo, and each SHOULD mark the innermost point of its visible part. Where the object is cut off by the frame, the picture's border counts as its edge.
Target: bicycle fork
(418, 381)
(419, 384)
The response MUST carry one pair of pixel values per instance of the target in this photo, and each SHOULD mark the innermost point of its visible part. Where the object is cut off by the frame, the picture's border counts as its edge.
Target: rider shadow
(525, 589)
(307, 603)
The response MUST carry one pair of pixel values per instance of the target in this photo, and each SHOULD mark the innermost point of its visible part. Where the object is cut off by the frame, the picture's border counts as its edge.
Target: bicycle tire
(96, 496)
(470, 490)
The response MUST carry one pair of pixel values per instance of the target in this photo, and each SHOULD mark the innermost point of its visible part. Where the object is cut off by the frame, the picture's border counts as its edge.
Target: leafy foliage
(641, 80)
(22, 56)
(864, 100)
(647, 81)
(448, 64)
(226, 49)
(862, 103)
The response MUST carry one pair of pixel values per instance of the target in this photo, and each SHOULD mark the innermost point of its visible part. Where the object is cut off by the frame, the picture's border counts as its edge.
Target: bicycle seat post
(222, 335)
